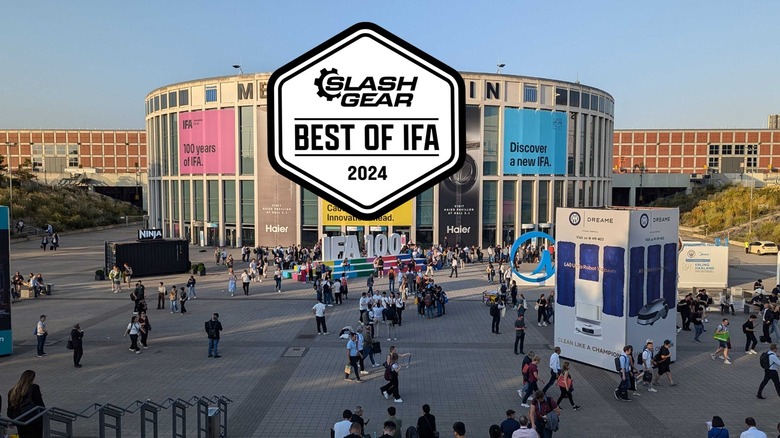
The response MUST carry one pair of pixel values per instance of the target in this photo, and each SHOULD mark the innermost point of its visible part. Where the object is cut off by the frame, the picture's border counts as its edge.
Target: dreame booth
(616, 281)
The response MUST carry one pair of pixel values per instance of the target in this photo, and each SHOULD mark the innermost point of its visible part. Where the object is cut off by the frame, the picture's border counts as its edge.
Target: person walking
(621, 393)
(245, 280)
(647, 366)
(76, 335)
(767, 315)
(231, 282)
(183, 298)
(698, 325)
(146, 327)
(533, 379)
(173, 297)
(541, 311)
(770, 373)
(213, 327)
(191, 287)
(426, 424)
(22, 398)
(495, 313)
(353, 356)
(520, 333)
(454, 267)
(540, 408)
(278, 280)
(723, 338)
(555, 368)
(41, 333)
(662, 360)
(565, 384)
(319, 316)
(391, 388)
(391, 279)
(133, 329)
(161, 296)
(749, 329)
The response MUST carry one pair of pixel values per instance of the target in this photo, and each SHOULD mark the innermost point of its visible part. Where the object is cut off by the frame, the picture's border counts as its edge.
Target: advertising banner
(275, 198)
(399, 216)
(703, 265)
(616, 281)
(459, 208)
(534, 142)
(6, 338)
(207, 142)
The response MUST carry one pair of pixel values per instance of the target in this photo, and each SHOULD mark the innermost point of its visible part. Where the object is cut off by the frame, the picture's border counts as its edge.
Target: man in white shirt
(524, 431)
(319, 315)
(341, 429)
(555, 368)
(363, 305)
(752, 432)
(771, 372)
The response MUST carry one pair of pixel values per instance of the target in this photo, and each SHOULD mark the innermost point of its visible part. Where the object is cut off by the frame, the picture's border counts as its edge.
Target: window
(174, 120)
(489, 200)
(508, 211)
(601, 104)
(725, 149)
(561, 96)
(213, 197)
(544, 200)
(185, 200)
(164, 101)
(172, 99)
(574, 98)
(48, 150)
(73, 155)
(247, 202)
(752, 162)
(229, 198)
(309, 208)
(527, 203)
(752, 149)
(585, 100)
(174, 198)
(37, 163)
(184, 97)
(529, 93)
(490, 158)
(714, 149)
(164, 141)
(199, 200)
(157, 103)
(739, 149)
(424, 209)
(211, 94)
(712, 162)
(246, 126)
(594, 102)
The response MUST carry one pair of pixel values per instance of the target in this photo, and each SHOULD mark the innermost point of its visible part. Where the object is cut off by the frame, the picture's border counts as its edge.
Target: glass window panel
(490, 155)
(569, 194)
(309, 207)
(425, 208)
(601, 104)
(585, 100)
(557, 195)
(739, 149)
(544, 200)
(184, 97)
(185, 200)
(726, 149)
(229, 204)
(561, 96)
(199, 200)
(48, 150)
(489, 201)
(211, 94)
(157, 103)
(164, 140)
(574, 98)
(174, 125)
(246, 140)
(164, 101)
(527, 199)
(715, 149)
(529, 93)
(247, 202)
(594, 102)
(37, 149)
(213, 197)
(509, 205)
(172, 99)
(712, 162)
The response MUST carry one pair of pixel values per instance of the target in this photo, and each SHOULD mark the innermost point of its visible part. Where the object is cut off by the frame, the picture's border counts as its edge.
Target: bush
(100, 273)
(201, 267)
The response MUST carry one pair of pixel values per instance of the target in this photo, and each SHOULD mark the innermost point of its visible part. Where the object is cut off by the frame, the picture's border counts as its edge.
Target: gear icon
(319, 81)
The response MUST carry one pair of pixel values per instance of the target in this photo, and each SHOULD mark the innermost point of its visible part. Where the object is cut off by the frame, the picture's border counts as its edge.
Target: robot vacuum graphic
(652, 312)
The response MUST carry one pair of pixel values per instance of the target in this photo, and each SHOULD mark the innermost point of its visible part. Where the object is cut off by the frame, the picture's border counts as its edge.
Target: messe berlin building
(533, 145)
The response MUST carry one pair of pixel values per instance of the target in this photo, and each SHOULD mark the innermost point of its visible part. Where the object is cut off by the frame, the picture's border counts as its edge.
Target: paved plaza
(457, 366)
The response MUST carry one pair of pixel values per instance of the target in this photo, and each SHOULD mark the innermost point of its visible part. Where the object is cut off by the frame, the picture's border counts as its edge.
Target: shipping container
(149, 257)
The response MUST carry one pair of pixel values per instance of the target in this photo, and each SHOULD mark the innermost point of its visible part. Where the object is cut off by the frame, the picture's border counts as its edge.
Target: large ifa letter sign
(348, 118)
(380, 245)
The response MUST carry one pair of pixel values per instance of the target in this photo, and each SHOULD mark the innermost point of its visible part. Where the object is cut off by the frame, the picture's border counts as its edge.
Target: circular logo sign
(574, 218)
(691, 253)
(644, 220)
(545, 263)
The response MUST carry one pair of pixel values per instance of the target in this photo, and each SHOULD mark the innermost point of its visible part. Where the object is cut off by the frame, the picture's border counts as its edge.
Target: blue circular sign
(544, 261)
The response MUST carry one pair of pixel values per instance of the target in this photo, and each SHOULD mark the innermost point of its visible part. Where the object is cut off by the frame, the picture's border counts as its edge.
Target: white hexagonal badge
(366, 120)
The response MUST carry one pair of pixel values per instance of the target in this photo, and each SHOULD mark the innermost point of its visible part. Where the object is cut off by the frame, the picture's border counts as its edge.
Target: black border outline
(335, 196)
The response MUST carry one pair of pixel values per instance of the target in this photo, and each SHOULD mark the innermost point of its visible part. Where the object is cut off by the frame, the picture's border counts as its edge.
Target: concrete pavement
(458, 367)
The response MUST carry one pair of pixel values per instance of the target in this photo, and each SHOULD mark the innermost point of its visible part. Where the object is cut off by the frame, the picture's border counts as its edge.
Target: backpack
(764, 360)
(494, 310)
(618, 367)
(388, 373)
(35, 330)
(525, 371)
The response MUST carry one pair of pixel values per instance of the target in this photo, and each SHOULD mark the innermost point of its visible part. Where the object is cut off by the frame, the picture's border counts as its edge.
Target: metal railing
(57, 422)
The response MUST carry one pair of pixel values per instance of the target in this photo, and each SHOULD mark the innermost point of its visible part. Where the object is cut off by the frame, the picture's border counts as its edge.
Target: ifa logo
(348, 119)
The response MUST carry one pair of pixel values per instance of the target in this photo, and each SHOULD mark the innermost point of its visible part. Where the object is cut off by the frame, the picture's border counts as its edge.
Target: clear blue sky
(669, 64)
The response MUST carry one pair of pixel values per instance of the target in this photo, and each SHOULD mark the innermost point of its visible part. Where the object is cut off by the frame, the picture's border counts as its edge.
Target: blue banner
(6, 335)
(534, 142)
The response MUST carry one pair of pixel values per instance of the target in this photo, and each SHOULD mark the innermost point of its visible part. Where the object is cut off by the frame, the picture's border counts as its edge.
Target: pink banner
(207, 142)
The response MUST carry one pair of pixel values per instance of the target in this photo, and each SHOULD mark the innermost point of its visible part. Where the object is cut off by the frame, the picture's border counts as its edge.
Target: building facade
(112, 162)
(533, 145)
(698, 151)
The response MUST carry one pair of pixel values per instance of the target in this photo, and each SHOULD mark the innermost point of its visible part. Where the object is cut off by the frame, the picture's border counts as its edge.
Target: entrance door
(230, 237)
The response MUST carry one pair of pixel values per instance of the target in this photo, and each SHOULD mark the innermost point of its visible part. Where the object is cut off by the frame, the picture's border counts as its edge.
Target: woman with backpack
(541, 311)
(391, 375)
(565, 385)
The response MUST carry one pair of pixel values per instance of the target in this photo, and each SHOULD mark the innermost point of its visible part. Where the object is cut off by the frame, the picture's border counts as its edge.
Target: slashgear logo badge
(644, 220)
(347, 119)
(574, 218)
